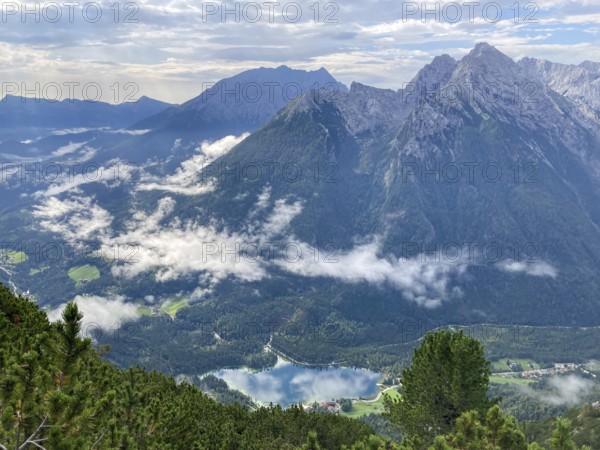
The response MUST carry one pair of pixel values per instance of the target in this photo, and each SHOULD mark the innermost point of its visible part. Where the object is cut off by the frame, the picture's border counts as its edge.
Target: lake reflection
(288, 383)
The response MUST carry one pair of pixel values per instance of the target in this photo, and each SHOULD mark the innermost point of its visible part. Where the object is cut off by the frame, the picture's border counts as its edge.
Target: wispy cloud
(100, 312)
(536, 269)
(76, 219)
(186, 179)
(426, 283)
(567, 390)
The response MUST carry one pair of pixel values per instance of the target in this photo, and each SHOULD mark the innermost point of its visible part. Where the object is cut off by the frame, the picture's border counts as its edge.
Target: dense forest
(57, 391)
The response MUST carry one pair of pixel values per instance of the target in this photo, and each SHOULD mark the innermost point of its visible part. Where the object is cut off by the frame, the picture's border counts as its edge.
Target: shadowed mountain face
(158, 131)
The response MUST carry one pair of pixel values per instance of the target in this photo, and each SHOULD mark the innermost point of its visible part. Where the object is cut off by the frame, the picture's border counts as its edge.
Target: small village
(331, 407)
(557, 369)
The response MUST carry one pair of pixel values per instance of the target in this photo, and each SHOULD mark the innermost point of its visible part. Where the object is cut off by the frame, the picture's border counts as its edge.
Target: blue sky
(169, 49)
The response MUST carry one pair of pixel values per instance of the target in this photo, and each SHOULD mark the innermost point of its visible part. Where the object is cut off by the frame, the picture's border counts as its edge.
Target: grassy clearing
(144, 311)
(14, 258)
(363, 408)
(172, 307)
(33, 272)
(501, 366)
(497, 379)
(84, 274)
(392, 393)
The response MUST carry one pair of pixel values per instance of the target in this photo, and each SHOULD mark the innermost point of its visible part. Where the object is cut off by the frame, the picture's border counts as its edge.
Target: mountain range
(468, 195)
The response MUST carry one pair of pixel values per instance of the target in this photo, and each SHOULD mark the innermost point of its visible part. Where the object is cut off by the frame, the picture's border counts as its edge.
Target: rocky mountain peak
(485, 60)
(436, 73)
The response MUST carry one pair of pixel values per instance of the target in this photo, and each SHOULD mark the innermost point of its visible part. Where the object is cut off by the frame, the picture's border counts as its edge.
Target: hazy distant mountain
(242, 102)
(22, 117)
(232, 106)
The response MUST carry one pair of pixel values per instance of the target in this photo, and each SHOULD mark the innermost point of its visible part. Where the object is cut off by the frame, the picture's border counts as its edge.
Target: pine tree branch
(30, 439)
(98, 440)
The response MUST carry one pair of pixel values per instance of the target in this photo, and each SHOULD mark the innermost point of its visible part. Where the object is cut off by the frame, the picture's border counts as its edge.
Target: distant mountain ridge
(22, 113)
(242, 102)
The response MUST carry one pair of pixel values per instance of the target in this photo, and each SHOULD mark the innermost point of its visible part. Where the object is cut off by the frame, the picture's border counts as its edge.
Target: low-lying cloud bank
(174, 249)
(570, 390)
(185, 180)
(536, 269)
(76, 219)
(100, 313)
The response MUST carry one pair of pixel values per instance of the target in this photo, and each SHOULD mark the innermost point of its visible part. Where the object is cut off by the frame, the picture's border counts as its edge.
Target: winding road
(378, 396)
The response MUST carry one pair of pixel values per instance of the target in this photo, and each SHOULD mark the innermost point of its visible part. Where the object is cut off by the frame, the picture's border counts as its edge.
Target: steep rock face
(545, 132)
(366, 108)
(434, 75)
(580, 83)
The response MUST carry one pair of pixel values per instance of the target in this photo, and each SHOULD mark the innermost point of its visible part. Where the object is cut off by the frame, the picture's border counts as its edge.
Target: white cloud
(69, 181)
(99, 312)
(73, 131)
(185, 180)
(174, 249)
(567, 390)
(535, 269)
(130, 132)
(281, 217)
(222, 146)
(422, 281)
(264, 197)
(71, 147)
(171, 48)
(76, 219)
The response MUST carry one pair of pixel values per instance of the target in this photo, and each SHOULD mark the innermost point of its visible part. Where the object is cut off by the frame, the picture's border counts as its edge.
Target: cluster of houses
(326, 407)
(559, 368)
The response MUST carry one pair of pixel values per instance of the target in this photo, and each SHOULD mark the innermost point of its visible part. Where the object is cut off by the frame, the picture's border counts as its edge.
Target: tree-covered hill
(584, 421)
(57, 392)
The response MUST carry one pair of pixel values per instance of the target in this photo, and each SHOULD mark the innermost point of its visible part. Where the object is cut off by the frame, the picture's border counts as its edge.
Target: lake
(287, 383)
